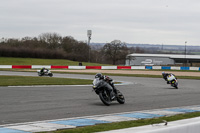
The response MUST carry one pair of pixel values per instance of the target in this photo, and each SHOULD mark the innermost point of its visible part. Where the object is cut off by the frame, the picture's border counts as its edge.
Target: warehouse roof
(172, 56)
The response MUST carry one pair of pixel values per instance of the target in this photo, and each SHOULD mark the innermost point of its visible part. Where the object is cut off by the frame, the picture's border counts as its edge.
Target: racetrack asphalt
(36, 103)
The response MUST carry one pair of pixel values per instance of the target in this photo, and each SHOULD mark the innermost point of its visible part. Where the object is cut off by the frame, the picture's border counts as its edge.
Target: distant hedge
(8, 51)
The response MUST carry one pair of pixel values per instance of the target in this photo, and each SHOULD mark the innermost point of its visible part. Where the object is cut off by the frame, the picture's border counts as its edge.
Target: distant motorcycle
(173, 81)
(104, 94)
(46, 72)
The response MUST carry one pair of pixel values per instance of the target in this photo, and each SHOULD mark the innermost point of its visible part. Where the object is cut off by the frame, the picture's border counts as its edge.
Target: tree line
(54, 46)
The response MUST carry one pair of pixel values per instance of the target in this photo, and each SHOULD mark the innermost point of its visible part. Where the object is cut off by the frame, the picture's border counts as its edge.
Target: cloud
(132, 21)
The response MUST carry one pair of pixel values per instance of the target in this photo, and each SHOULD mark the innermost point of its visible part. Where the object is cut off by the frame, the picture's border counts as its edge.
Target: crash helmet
(163, 73)
(98, 75)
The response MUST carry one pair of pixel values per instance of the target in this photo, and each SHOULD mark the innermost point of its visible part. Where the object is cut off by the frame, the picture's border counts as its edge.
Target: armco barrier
(100, 67)
(108, 67)
(5, 66)
(148, 67)
(175, 68)
(123, 67)
(185, 68)
(21, 67)
(93, 67)
(41, 66)
(59, 67)
(138, 67)
(194, 68)
(77, 67)
(156, 67)
(166, 67)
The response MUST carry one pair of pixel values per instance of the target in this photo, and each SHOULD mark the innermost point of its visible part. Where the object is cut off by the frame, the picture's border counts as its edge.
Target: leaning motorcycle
(173, 81)
(104, 94)
(45, 73)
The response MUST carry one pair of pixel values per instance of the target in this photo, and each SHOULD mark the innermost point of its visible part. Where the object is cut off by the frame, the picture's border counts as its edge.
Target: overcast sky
(131, 21)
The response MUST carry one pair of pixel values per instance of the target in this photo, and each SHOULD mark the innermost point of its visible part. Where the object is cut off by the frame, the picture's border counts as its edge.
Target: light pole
(89, 34)
(185, 53)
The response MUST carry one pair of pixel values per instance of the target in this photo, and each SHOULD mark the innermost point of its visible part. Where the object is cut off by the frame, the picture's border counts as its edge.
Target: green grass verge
(35, 61)
(154, 76)
(127, 124)
(109, 74)
(133, 75)
(28, 80)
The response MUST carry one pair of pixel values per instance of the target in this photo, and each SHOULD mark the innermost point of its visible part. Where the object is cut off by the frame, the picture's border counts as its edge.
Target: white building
(160, 59)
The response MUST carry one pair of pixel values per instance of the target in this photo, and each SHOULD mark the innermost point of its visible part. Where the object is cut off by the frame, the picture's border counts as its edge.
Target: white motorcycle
(46, 72)
(173, 81)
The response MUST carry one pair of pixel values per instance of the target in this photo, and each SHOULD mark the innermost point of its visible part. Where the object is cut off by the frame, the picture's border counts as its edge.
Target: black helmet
(98, 75)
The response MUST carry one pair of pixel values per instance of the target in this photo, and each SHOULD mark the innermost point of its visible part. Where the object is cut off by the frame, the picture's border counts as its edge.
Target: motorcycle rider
(43, 70)
(110, 85)
(169, 77)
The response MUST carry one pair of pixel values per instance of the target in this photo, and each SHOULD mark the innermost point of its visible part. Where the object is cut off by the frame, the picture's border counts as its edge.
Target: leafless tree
(115, 51)
(52, 40)
(77, 51)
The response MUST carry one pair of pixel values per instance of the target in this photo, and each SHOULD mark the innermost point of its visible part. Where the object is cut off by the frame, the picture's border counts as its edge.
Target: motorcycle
(104, 94)
(46, 72)
(173, 81)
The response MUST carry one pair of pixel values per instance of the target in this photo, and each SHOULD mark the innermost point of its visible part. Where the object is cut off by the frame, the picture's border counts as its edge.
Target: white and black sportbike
(173, 81)
(45, 72)
(102, 88)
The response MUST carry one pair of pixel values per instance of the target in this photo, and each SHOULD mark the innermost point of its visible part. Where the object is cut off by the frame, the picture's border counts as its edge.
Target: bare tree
(115, 51)
(77, 51)
(52, 40)
(68, 43)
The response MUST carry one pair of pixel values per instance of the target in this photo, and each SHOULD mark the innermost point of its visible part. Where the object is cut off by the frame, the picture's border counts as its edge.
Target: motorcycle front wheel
(175, 86)
(120, 97)
(105, 98)
(50, 74)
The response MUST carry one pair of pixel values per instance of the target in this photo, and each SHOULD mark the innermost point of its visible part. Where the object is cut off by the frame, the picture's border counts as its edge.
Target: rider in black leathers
(108, 84)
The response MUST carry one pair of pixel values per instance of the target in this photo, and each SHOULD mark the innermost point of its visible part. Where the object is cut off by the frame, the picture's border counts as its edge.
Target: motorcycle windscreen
(95, 81)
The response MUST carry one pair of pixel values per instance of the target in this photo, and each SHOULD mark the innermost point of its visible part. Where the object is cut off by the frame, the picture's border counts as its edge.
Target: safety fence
(100, 67)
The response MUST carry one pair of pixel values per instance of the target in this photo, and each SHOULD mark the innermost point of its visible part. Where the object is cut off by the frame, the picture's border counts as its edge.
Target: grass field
(34, 61)
(28, 80)
(133, 75)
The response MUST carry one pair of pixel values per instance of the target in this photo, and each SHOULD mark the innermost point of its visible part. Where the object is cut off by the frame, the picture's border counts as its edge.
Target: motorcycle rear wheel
(105, 98)
(50, 74)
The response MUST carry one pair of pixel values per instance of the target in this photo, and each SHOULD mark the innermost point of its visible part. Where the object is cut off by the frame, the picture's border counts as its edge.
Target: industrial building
(161, 59)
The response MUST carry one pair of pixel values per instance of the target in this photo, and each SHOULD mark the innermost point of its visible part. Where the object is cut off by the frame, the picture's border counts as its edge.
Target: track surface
(26, 104)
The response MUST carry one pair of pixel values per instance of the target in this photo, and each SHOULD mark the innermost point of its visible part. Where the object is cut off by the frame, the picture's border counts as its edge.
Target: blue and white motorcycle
(172, 80)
